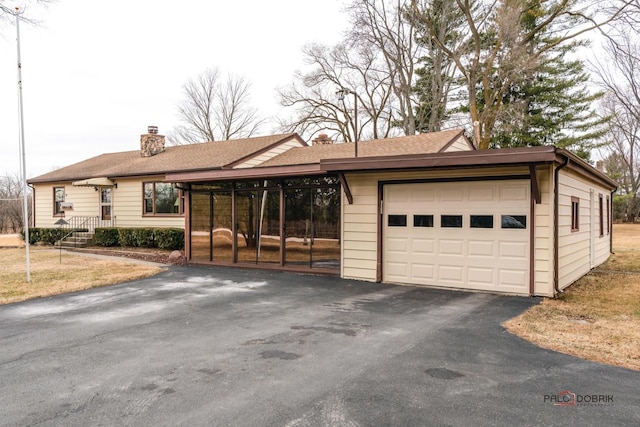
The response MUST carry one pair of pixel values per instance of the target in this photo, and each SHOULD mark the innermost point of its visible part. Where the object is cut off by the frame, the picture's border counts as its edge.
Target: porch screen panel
(298, 226)
(201, 227)
(222, 234)
(248, 211)
(325, 240)
(268, 244)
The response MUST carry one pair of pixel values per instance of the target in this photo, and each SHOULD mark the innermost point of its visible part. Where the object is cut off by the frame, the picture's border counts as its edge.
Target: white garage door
(471, 235)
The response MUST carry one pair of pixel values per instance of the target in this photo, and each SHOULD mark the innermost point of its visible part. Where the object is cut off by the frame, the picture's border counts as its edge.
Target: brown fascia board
(471, 159)
(476, 158)
(265, 149)
(245, 173)
(583, 168)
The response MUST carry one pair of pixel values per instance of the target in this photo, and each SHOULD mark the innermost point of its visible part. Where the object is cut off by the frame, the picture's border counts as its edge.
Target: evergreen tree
(553, 107)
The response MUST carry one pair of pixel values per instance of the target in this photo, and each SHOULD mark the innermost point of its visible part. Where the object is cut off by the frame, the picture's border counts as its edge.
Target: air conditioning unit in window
(66, 205)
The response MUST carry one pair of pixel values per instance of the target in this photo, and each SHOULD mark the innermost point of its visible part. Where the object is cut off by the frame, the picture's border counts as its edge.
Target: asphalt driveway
(212, 346)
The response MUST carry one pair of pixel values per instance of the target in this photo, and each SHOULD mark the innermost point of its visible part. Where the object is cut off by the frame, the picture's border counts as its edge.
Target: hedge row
(163, 238)
(46, 235)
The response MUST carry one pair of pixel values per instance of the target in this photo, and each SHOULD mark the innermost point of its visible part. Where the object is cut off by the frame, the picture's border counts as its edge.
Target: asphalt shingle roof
(223, 154)
(192, 157)
(426, 143)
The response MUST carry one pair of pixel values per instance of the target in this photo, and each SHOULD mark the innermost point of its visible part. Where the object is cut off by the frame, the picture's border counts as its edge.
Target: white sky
(97, 73)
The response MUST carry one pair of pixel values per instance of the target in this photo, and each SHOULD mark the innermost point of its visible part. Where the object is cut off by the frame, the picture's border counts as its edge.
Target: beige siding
(360, 219)
(576, 254)
(126, 208)
(460, 145)
(263, 157)
(85, 203)
(543, 233)
(360, 229)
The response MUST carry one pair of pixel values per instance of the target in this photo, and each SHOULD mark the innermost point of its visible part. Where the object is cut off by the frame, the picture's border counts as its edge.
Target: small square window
(451, 221)
(481, 221)
(513, 221)
(423, 220)
(397, 220)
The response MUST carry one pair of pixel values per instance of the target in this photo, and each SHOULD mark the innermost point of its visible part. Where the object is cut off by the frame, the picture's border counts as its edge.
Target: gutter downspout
(556, 192)
(610, 222)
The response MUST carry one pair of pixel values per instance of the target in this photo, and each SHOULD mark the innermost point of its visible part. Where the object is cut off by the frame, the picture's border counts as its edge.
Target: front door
(105, 205)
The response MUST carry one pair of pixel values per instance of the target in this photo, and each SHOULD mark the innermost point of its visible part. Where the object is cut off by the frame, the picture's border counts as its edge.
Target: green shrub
(46, 235)
(106, 237)
(144, 238)
(125, 237)
(170, 238)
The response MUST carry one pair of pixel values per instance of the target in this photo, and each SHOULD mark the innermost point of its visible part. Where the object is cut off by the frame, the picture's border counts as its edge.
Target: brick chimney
(600, 165)
(322, 139)
(151, 143)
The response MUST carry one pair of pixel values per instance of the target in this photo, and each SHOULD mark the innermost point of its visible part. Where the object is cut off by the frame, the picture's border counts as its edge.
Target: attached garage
(461, 234)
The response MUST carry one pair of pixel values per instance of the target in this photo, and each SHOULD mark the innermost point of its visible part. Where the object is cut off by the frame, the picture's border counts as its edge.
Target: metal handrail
(73, 230)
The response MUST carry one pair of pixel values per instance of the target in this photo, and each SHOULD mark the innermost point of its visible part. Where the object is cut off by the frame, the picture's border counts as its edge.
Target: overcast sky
(97, 73)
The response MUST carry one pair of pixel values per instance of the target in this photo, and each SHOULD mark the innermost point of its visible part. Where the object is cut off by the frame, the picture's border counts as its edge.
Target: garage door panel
(481, 276)
(450, 273)
(423, 246)
(453, 195)
(397, 245)
(490, 258)
(513, 249)
(451, 247)
(481, 248)
(397, 269)
(423, 272)
(513, 193)
(482, 195)
(424, 196)
(512, 278)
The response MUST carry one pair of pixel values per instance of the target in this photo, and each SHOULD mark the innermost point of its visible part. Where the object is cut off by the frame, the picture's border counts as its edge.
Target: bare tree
(498, 51)
(381, 24)
(11, 200)
(619, 74)
(215, 109)
(353, 69)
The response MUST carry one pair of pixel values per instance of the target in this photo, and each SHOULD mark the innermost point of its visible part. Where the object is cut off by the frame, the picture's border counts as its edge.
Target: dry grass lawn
(598, 317)
(51, 276)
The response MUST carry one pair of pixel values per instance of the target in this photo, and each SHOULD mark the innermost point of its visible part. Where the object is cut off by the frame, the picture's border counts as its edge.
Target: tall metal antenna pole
(23, 164)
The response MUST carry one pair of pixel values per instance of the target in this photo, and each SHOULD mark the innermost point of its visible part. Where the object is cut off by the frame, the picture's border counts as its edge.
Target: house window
(601, 214)
(575, 214)
(161, 198)
(58, 199)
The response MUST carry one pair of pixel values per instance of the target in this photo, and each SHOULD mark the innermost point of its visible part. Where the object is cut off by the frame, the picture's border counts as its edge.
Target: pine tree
(556, 108)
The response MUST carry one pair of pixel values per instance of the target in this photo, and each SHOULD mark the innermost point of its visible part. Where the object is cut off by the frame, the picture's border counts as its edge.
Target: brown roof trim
(245, 173)
(267, 148)
(576, 164)
(476, 158)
